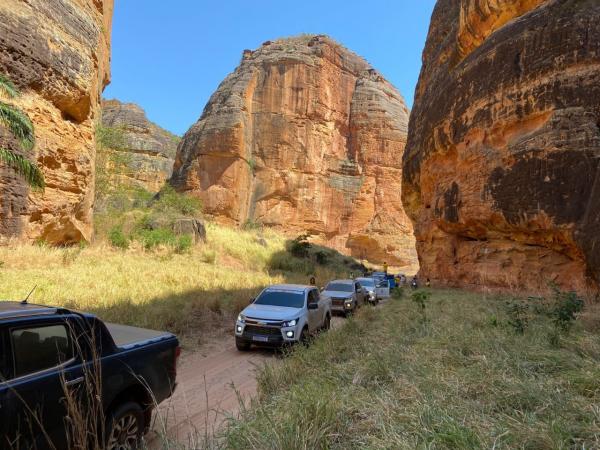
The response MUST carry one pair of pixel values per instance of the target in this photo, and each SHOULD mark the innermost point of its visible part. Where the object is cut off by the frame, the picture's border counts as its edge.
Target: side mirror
(313, 306)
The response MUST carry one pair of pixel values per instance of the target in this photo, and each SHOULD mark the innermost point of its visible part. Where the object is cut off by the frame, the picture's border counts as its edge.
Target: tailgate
(126, 336)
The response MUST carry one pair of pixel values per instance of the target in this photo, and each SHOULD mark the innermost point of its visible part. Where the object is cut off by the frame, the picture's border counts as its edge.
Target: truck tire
(304, 337)
(242, 346)
(125, 426)
(327, 323)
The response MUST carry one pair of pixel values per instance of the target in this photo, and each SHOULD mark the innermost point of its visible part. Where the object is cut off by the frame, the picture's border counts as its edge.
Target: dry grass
(190, 294)
(461, 378)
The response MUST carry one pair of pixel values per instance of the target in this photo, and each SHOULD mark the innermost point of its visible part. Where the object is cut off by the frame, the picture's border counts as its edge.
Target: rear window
(281, 298)
(341, 287)
(368, 282)
(40, 348)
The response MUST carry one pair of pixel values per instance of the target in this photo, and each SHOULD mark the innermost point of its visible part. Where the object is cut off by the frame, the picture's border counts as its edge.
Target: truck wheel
(125, 427)
(242, 346)
(327, 323)
(304, 337)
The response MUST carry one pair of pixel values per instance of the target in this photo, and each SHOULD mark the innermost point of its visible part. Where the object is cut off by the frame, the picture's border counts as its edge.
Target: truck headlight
(241, 318)
(290, 323)
(348, 305)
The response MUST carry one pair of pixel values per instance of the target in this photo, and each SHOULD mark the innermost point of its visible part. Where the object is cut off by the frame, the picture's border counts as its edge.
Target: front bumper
(270, 335)
(342, 305)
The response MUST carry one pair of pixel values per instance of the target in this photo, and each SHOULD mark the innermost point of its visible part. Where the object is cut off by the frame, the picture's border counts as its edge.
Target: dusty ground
(211, 384)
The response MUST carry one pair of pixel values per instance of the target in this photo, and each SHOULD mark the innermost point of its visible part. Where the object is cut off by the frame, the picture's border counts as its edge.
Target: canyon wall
(502, 165)
(142, 153)
(304, 136)
(57, 53)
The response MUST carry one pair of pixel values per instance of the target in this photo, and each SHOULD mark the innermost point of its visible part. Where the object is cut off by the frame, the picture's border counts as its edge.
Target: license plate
(260, 338)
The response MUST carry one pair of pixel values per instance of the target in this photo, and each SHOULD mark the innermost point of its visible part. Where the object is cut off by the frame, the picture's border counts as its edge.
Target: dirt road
(211, 384)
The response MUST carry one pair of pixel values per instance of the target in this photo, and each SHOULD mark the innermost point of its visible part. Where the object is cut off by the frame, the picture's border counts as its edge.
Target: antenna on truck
(24, 301)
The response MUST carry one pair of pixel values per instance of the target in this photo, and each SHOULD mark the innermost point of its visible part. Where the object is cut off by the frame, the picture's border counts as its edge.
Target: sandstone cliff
(145, 152)
(502, 167)
(304, 136)
(57, 53)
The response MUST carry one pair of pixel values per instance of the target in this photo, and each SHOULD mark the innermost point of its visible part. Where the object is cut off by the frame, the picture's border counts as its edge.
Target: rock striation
(57, 53)
(502, 166)
(304, 136)
(145, 153)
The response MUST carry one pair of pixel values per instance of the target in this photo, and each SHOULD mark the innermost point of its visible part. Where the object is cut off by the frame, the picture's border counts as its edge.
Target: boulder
(193, 227)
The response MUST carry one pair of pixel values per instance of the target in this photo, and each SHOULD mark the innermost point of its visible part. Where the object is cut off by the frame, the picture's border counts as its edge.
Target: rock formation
(57, 54)
(146, 151)
(502, 167)
(304, 136)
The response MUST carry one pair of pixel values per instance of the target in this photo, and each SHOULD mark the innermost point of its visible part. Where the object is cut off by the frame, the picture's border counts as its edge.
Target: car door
(314, 319)
(45, 369)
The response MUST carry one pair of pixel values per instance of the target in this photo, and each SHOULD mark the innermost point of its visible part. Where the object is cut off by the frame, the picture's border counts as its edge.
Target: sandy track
(211, 384)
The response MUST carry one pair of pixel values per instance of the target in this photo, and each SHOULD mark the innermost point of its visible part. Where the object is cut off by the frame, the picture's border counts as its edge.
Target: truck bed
(127, 337)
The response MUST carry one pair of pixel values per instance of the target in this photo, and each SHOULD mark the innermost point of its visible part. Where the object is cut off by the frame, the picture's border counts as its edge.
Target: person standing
(385, 267)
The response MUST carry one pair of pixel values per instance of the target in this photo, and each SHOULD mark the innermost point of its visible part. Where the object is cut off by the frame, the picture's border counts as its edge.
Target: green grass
(462, 378)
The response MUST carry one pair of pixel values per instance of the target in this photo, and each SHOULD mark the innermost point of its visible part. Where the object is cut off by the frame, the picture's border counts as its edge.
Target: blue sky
(170, 56)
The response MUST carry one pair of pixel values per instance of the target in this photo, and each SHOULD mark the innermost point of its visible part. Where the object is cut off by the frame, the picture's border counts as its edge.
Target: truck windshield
(281, 298)
(367, 282)
(340, 287)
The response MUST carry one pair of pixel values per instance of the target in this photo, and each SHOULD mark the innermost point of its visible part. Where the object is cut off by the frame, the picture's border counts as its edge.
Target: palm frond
(8, 87)
(19, 124)
(22, 166)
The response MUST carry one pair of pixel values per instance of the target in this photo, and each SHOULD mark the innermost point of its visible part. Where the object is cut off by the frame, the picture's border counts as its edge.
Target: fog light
(348, 305)
(290, 334)
(239, 329)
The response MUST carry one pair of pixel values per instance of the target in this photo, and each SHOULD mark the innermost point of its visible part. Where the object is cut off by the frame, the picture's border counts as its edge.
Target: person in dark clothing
(414, 283)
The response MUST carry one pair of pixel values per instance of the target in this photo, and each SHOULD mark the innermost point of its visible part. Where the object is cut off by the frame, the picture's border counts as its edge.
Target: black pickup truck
(68, 380)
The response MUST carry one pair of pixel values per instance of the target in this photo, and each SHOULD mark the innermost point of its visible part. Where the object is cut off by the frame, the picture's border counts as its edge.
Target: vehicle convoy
(370, 286)
(55, 362)
(346, 295)
(282, 314)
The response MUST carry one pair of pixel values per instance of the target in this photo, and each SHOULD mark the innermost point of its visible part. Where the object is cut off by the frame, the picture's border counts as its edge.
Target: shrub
(117, 238)
(321, 257)
(250, 224)
(184, 244)
(153, 238)
(518, 316)
(299, 247)
(169, 200)
(398, 293)
(209, 256)
(567, 306)
(419, 298)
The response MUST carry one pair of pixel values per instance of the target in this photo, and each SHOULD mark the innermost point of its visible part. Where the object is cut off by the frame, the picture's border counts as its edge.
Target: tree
(21, 128)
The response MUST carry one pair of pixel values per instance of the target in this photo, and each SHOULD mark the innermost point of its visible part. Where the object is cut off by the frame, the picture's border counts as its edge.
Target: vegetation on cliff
(21, 128)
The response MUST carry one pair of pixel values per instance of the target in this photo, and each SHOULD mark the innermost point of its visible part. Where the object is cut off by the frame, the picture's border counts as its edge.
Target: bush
(299, 247)
(518, 316)
(419, 298)
(184, 244)
(321, 257)
(567, 306)
(117, 238)
(169, 200)
(209, 256)
(153, 238)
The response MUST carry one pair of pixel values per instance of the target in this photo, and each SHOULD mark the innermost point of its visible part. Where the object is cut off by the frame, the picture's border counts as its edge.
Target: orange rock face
(304, 136)
(57, 53)
(502, 166)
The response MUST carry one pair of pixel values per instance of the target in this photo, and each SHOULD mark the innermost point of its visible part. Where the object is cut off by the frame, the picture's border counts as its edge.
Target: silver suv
(282, 314)
(346, 295)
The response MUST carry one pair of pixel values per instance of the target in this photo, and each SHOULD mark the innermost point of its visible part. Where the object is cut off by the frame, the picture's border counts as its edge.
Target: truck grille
(262, 331)
(337, 301)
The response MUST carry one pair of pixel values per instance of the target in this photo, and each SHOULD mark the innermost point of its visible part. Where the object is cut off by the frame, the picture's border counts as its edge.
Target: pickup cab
(282, 314)
(69, 380)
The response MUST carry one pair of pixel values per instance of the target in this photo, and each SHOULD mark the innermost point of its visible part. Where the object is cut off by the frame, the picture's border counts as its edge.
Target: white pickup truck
(282, 314)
